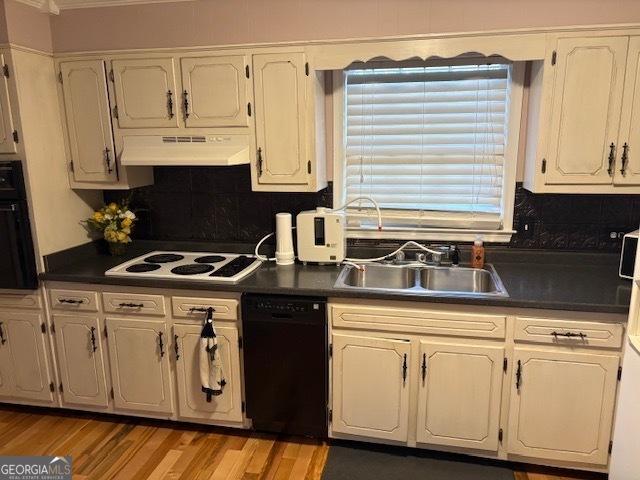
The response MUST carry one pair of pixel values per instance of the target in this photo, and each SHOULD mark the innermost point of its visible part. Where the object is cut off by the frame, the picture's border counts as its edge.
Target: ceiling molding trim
(73, 4)
(47, 6)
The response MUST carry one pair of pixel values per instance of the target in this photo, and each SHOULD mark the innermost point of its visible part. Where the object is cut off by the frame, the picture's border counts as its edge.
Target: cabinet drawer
(133, 303)
(568, 332)
(19, 300)
(74, 300)
(410, 320)
(190, 307)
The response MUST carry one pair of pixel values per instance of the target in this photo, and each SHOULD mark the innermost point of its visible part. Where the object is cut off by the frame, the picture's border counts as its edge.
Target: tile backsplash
(217, 204)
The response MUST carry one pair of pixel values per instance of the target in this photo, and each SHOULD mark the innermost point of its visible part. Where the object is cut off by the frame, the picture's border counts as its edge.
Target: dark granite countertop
(534, 279)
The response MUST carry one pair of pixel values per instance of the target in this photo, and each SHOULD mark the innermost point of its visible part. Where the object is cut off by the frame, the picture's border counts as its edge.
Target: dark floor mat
(356, 461)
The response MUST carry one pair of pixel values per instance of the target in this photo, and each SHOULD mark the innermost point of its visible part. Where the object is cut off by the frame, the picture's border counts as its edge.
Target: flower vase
(117, 249)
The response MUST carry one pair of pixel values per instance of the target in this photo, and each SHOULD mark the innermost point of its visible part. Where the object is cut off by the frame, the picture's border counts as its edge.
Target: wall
(4, 34)
(213, 22)
(26, 26)
(217, 204)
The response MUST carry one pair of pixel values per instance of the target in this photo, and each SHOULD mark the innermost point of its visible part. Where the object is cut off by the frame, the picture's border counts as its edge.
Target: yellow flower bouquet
(115, 221)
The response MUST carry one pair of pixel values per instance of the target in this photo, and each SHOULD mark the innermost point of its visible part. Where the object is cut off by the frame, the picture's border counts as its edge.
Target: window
(434, 145)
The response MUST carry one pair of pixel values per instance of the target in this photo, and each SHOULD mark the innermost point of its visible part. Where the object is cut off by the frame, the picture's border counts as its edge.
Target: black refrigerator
(17, 259)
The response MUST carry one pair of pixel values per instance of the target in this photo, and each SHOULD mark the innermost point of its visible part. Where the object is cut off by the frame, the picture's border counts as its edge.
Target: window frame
(502, 234)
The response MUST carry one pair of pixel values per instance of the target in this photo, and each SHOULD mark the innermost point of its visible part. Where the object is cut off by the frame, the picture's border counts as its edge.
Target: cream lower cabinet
(25, 370)
(192, 402)
(81, 360)
(139, 359)
(370, 385)
(459, 395)
(562, 405)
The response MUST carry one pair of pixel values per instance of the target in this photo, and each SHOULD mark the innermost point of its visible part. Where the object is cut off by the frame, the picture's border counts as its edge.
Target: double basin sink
(423, 279)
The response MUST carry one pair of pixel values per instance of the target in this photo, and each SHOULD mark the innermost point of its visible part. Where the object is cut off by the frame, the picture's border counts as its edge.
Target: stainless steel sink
(424, 279)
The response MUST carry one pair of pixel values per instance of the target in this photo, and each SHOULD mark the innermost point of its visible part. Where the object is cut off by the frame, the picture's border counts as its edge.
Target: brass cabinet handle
(186, 103)
(3, 340)
(259, 162)
(612, 157)
(93, 339)
(404, 369)
(201, 309)
(624, 159)
(175, 346)
(424, 366)
(131, 305)
(519, 376)
(569, 335)
(70, 301)
(170, 103)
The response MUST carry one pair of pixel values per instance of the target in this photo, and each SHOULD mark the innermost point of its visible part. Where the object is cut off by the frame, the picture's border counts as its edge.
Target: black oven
(17, 260)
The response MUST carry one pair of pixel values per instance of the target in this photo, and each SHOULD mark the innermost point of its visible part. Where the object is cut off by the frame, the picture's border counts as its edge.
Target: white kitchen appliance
(628, 254)
(321, 235)
(625, 455)
(188, 266)
(184, 150)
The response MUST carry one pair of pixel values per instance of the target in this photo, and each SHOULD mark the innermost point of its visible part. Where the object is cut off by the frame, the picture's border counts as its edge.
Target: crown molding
(46, 6)
(54, 7)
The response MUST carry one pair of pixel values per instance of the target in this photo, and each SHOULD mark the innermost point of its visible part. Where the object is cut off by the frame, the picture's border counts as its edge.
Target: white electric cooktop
(189, 266)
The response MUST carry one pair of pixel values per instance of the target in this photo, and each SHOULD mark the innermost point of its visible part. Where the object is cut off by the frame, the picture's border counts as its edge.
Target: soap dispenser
(477, 253)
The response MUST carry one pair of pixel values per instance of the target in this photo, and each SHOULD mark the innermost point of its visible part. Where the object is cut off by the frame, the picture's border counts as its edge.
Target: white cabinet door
(6, 382)
(146, 92)
(81, 360)
(370, 385)
(280, 96)
(139, 358)
(88, 116)
(628, 163)
(7, 145)
(214, 91)
(27, 364)
(192, 402)
(459, 395)
(585, 115)
(562, 405)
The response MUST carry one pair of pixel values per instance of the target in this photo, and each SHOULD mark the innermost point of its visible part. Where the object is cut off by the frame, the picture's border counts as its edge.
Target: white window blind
(428, 143)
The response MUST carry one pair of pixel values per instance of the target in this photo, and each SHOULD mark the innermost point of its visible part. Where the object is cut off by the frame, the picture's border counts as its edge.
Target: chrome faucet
(440, 255)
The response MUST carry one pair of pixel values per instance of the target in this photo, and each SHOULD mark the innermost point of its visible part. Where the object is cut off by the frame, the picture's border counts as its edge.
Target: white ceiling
(54, 6)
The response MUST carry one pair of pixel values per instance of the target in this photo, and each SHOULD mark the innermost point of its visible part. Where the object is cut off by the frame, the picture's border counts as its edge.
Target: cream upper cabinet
(459, 395)
(79, 349)
(214, 91)
(627, 169)
(88, 120)
(281, 104)
(370, 386)
(7, 143)
(139, 359)
(146, 94)
(562, 405)
(192, 402)
(27, 366)
(585, 111)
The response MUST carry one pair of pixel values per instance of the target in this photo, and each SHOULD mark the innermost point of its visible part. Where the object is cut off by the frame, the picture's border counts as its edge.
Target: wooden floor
(115, 447)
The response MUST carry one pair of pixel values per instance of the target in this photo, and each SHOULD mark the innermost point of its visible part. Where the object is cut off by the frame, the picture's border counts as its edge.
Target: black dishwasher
(286, 363)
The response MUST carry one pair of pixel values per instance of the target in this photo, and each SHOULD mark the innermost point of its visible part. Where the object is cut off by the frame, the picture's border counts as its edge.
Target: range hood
(203, 150)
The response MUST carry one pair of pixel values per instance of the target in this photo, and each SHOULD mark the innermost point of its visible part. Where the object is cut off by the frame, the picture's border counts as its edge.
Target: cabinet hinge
(112, 395)
(60, 388)
(53, 327)
(115, 112)
(240, 344)
(544, 165)
(5, 70)
(554, 57)
(306, 69)
(242, 407)
(43, 328)
(330, 350)
(330, 415)
(105, 332)
(309, 167)
(249, 108)
(52, 387)
(60, 77)
(71, 167)
(246, 70)
(610, 447)
(15, 136)
(500, 435)
(619, 373)
(111, 75)
(505, 363)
